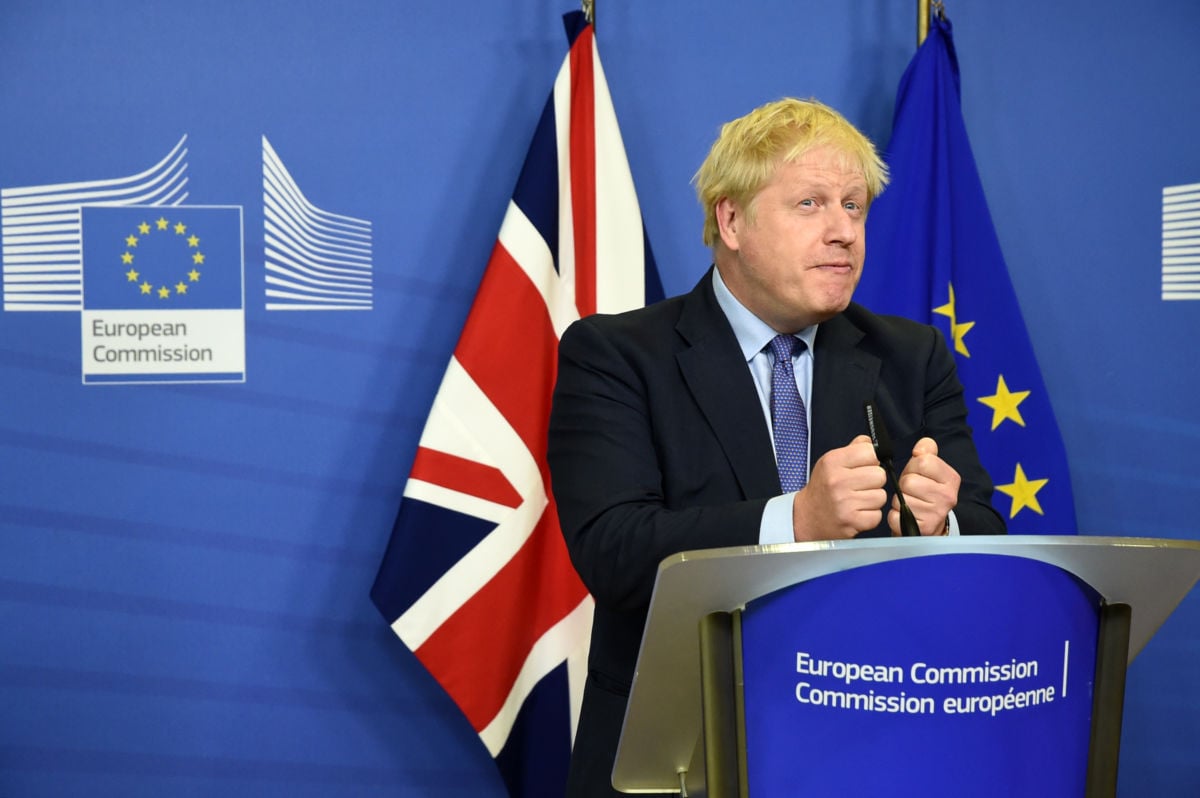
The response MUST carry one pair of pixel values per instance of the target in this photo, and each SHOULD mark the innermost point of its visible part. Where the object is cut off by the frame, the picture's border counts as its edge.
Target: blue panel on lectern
(931, 676)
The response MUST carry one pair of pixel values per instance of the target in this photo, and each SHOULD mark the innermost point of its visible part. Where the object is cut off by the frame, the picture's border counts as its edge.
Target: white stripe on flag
(461, 412)
(527, 247)
(620, 253)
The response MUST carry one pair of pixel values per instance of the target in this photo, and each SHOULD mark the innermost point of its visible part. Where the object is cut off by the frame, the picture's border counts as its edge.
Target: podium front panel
(925, 676)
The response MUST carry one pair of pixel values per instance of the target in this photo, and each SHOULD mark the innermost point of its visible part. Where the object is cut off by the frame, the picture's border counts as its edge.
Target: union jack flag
(476, 579)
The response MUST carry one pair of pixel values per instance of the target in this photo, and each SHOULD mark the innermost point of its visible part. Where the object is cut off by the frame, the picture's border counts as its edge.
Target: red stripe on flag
(583, 171)
(477, 654)
(464, 476)
(510, 348)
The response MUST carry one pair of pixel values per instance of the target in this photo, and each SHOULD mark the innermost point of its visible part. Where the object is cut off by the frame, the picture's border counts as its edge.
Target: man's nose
(841, 227)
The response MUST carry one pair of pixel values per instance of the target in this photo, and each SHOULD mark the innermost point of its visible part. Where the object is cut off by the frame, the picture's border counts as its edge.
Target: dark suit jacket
(658, 445)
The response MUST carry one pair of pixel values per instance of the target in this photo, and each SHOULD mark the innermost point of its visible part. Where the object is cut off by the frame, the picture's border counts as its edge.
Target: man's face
(797, 262)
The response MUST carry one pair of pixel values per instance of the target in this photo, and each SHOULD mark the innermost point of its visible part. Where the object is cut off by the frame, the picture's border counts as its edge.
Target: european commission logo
(162, 294)
(163, 297)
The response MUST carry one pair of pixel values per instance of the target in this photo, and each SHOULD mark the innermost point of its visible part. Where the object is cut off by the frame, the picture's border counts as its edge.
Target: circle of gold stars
(142, 284)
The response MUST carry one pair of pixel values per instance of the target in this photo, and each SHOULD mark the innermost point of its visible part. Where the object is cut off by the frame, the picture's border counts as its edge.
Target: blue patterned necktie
(789, 421)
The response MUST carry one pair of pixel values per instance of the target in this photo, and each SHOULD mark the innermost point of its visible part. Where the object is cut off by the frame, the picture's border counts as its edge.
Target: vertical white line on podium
(1066, 659)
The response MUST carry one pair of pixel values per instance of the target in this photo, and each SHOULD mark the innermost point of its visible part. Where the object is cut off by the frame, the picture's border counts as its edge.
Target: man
(664, 435)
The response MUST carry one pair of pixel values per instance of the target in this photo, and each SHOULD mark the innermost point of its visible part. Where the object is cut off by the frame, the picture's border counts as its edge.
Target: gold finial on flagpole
(589, 11)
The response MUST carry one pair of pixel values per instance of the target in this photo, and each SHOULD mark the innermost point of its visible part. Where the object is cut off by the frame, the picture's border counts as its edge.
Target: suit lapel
(717, 376)
(844, 376)
(714, 370)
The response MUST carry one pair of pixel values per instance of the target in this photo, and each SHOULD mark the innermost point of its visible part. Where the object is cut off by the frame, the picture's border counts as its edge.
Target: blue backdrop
(184, 568)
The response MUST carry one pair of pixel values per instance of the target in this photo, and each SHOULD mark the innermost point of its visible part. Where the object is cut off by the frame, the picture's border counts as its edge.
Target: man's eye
(852, 206)
(807, 203)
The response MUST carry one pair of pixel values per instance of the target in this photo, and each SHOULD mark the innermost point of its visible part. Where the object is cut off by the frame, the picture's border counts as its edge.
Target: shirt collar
(752, 333)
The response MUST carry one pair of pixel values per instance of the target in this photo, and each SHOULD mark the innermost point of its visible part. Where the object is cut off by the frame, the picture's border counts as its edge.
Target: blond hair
(749, 150)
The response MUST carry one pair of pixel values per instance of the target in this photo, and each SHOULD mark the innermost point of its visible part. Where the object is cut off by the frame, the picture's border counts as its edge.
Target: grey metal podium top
(662, 722)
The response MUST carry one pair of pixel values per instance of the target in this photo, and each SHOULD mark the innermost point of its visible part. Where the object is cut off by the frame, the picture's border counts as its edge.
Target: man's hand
(930, 487)
(844, 494)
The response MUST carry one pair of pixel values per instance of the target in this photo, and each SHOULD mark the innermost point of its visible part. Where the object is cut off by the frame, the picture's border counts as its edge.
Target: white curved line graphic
(314, 259)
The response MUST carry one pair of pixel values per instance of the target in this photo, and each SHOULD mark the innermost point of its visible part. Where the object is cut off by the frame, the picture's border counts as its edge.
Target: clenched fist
(930, 488)
(844, 494)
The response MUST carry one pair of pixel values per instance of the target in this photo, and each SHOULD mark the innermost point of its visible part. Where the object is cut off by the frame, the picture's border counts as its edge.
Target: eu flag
(179, 257)
(934, 256)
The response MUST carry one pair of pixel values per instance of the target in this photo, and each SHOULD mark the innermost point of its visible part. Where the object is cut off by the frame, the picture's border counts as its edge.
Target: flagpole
(923, 9)
(589, 11)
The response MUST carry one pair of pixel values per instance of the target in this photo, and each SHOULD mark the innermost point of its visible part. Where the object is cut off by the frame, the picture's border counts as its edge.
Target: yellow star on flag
(146, 288)
(131, 241)
(198, 258)
(144, 228)
(180, 228)
(1023, 492)
(181, 287)
(127, 258)
(162, 223)
(193, 241)
(194, 276)
(164, 292)
(132, 276)
(957, 331)
(1005, 403)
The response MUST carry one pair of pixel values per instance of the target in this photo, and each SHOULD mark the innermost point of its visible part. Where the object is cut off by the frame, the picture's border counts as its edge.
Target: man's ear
(731, 220)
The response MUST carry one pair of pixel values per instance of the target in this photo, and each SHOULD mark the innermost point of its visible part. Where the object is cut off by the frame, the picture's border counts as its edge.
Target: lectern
(946, 666)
